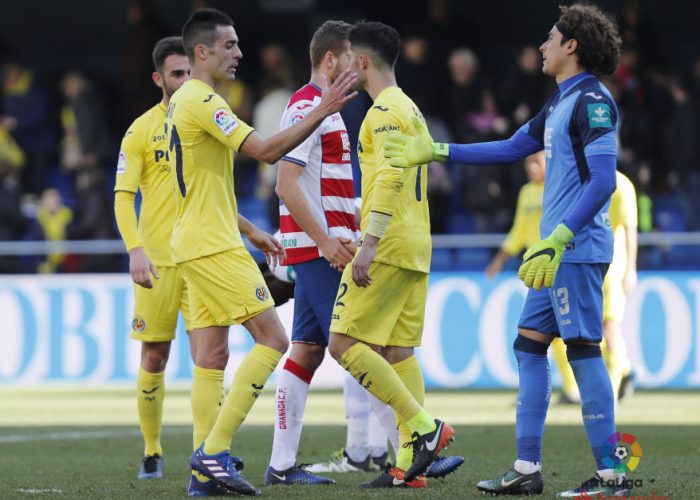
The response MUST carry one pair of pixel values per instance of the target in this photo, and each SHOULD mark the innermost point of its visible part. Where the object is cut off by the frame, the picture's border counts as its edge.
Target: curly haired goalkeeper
(577, 130)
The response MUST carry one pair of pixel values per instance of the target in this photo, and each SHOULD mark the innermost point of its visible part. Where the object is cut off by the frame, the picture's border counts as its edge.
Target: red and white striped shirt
(326, 180)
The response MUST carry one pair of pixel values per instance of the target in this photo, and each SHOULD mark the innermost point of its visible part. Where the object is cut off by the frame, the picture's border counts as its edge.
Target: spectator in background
(86, 139)
(525, 88)
(277, 87)
(51, 223)
(486, 192)
(240, 97)
(440, 183)
(414, 75)
(143, 31)
(25, 114)
(466, 89)
(12, 222)
(681, 137)
(695, 75)
(93, 219)
(10, 152)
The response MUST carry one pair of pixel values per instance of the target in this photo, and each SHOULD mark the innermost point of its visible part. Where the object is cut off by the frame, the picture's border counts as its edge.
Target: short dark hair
(384, 41)
(201, 28)
(330, 36)
(596, 34)
(166, 47)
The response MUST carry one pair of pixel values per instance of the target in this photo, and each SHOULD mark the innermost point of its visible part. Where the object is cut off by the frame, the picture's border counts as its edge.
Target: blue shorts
(573, 308)
(314, 295)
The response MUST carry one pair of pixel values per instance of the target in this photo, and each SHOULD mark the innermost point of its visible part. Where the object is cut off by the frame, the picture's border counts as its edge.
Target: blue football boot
(294, 475)
(222, 469)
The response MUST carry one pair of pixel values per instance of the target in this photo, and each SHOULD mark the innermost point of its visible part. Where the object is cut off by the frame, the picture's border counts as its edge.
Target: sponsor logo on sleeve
(121, 163)
(296, 118)
(386, 128)
(599, 116)
(225, 121)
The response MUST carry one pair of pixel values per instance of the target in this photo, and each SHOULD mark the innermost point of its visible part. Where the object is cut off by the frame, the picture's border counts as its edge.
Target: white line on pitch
(71, 435)
(37, 491)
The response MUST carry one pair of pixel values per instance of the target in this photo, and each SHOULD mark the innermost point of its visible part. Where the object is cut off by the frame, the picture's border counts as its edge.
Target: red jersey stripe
(340, 219)
(296, 255)
(342, 188)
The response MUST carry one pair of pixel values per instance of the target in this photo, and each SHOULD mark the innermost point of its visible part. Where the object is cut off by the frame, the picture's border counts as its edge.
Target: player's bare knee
(213, 358)
(276, 340)
(154, 356)
(396, 354)
(310, 356)
(338, 344)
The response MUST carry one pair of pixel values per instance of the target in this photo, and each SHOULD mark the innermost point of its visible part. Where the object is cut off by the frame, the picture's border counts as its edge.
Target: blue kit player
(577, 130)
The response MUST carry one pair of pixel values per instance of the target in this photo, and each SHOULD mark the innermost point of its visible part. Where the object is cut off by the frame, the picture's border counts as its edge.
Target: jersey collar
(573, 80)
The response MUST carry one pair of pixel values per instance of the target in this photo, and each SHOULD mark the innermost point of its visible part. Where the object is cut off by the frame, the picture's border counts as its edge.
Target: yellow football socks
(150, 389)
(568, 381)
(375, 374)
(617, 362)
(411, 375)
(206, 399)
(247, 384)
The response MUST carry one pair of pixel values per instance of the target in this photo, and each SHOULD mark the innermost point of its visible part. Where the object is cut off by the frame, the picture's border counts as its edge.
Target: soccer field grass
(64, 443)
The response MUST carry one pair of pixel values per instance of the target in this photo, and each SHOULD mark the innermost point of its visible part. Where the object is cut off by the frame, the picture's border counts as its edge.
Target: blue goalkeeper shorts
(573, 308)
(314, 296)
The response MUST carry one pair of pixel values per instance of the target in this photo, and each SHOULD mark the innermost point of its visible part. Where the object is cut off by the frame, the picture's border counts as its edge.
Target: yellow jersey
(203, 133)
(144, 164)
(623, 213)
(526, 225)
(401, 193)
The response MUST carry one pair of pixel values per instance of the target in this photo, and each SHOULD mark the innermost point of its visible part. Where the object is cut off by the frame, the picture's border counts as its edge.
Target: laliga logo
(624, 452)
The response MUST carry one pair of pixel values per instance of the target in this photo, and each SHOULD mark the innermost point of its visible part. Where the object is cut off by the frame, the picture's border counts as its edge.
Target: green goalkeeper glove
(406, 151)
(541, 262)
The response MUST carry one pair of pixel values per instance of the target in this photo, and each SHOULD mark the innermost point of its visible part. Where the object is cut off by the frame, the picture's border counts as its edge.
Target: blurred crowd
(58, 146)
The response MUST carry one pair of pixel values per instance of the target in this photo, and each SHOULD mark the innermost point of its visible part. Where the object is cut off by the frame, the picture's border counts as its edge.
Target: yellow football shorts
(155, 309)
(389, 312)
(225, 288)
(614, 298)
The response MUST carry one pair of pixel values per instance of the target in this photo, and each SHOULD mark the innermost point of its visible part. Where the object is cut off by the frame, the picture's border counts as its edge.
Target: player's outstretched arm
(406, 151)
(333, 99)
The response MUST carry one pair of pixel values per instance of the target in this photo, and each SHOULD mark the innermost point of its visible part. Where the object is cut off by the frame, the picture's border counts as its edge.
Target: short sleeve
(291, 116)
(214, 115)
(595, 122)
(130, 161)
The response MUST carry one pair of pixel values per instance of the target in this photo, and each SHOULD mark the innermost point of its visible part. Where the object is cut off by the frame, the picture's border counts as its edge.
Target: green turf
(100, 460)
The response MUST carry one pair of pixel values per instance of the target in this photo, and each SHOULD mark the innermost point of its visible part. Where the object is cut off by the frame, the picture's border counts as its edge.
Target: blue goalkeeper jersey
(579, 121)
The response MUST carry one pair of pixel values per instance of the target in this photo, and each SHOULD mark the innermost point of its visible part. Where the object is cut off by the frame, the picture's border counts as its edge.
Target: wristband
(378, 222)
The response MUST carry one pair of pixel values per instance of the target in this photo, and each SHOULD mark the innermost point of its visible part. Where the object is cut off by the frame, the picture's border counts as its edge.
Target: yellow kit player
(378, 314)
(619, 281)
(143, 164)
(525, 231)
(225, 285)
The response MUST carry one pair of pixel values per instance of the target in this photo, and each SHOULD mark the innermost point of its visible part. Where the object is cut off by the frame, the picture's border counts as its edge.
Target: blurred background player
(378, 319)
(143, 164)
(577, 130)
(620, 280)
(225, 285)
(525, 231)
(317, 226)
